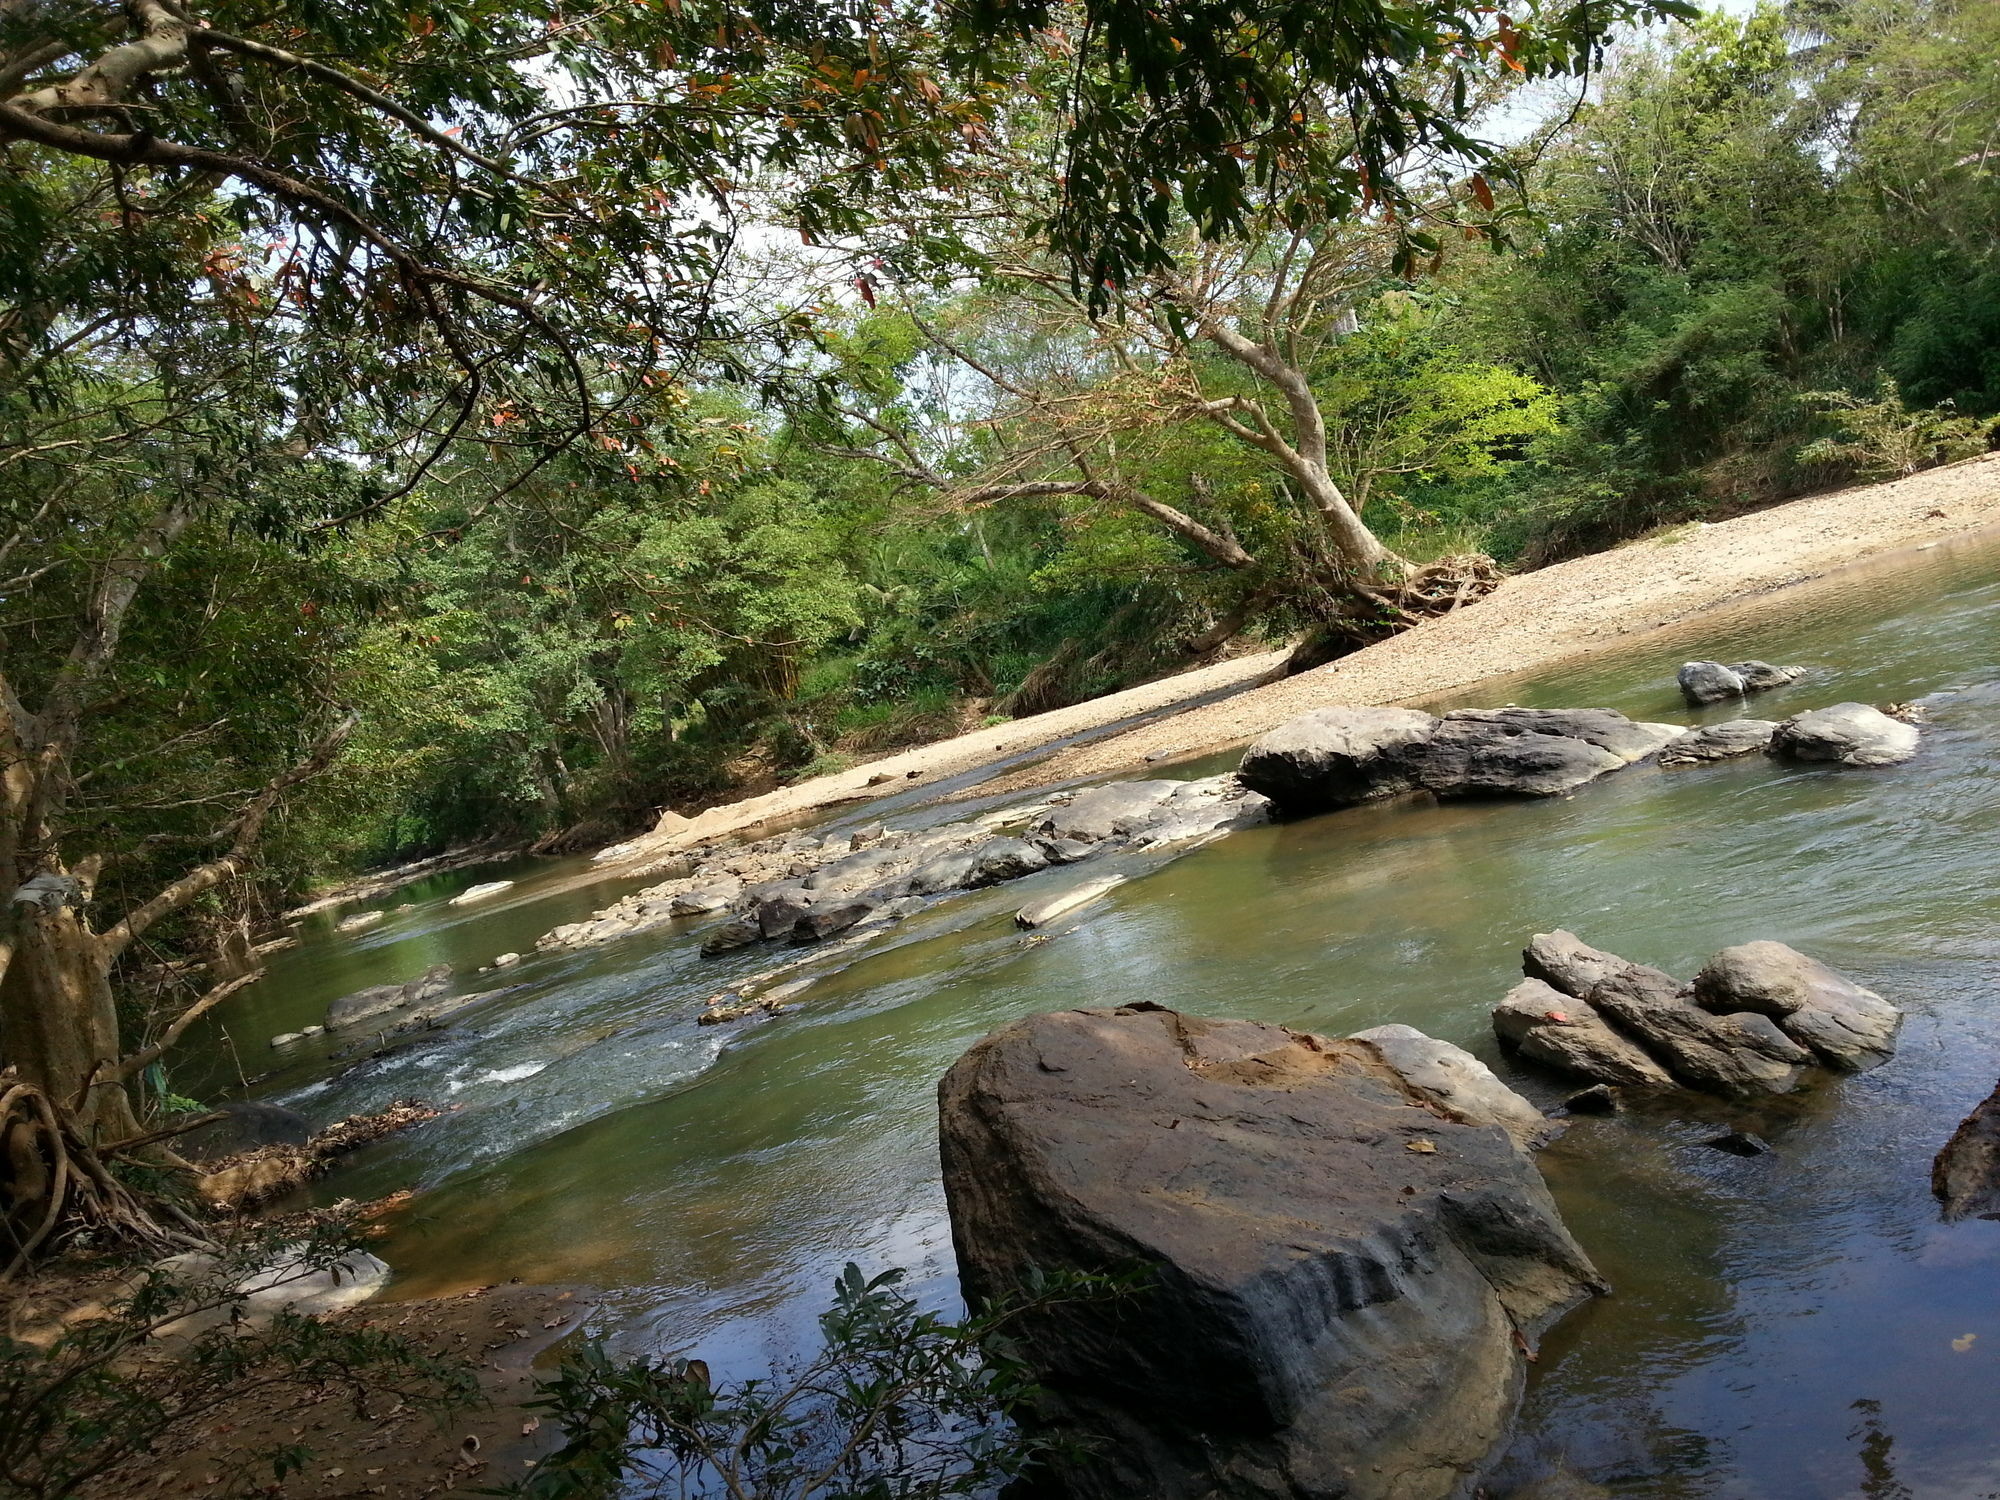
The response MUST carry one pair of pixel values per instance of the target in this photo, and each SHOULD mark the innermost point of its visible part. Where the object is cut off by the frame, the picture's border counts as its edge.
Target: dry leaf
(1428, 1148)
(1963, 1342)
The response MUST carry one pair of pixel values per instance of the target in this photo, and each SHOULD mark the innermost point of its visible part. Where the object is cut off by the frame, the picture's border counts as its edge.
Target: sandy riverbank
(1535, 619)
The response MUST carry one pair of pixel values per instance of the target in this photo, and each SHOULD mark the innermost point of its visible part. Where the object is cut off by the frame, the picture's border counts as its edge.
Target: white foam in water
(499, 1075)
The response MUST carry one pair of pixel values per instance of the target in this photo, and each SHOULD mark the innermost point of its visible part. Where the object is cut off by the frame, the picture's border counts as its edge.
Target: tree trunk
(59, 1022)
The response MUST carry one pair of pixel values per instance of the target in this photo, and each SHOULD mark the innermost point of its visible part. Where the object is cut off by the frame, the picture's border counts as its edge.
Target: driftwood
(249, 1178)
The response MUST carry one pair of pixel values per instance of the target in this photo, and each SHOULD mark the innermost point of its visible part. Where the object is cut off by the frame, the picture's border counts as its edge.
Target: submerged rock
(481, 892)
(1739, 1143)
(1966, 1174)
(1722, 741)
(358, 921)
(1344, 1276)
(379, 999)
(1849, 1027)
(1847, 734)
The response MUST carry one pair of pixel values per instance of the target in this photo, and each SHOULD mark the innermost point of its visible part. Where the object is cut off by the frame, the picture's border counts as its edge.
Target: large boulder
(1341, 1276)
(1336, 757)
(1849, 1027)
(379, 999)
(1546, 1026)
(1966, 1174)
(1847, 734)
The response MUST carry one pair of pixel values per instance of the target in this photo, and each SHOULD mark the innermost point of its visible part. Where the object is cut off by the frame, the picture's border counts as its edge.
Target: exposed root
(1359, 615)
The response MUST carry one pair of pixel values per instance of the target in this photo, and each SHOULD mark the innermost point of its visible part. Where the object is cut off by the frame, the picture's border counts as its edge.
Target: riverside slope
(1569, 610)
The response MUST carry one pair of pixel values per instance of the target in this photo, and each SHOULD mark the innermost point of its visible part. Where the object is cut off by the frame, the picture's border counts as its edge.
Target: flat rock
(1567, 1034)
(823, 922)
(1849, 1027)
(737, 932)
(1336, 757)
(358, 921)
(1847, 734)
(1532, 752)
(1104, 812)
(379, 999)
(1004, 859)
(481, 892)
(1344, 1278)
(1722, 741)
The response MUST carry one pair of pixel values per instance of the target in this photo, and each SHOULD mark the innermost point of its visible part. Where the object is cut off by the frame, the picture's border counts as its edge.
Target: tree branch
(145, 1057)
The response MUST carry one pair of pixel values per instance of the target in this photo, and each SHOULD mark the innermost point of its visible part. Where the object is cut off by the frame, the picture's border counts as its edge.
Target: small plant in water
(899, 1404)
(1885, 438)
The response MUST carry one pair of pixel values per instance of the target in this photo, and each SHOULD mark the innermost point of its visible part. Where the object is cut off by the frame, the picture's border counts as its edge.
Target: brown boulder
(1343, 1278)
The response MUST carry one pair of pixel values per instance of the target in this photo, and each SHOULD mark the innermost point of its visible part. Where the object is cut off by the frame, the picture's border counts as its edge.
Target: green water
(1782, 1327)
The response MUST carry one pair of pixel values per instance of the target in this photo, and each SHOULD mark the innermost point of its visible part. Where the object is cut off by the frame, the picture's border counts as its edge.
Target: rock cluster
(1704, 682)
(1344, 1253)
(806, 889)
(1754, 1019)
(1337, 757)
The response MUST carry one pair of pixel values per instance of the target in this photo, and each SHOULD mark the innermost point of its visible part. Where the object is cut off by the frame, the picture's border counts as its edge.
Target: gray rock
(1732, 1054)
(824, 921)
(1004, 859)
(1064, 851)
(707, 898)
(1341, 1284)
(1709, 682)
(737, 932)
(1720, 741)
(1847, 734)
(1761, 676)
(1567, 1034)
(379, 999)
(290, 1284)
(1336, 757)
(1507, 753)
(1598, 1099)
(1966, 1174)
(1457, 1082)
(1105, 812)
(941, 872)
(779, 912)
(1739, 1143)
(358, 921)
(1847, 1026)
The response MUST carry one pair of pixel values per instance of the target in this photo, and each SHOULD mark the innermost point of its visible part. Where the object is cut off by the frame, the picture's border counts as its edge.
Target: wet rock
(1003, 860)
(1720, 741)
(1850, 1028)
(248, 1125)
(943, 872)
(378, 999)
(1342, 1284)
(1847, 734)
(358, 921)
(506, 960)
(481, 892)
(1598, 1099)
(1739, 1143)
(1104, 812)
(289, 1284)
(737, 932)
(1040, 913)
(1457, 1082)
(1201, 810)
(1509, 753)
(1561, 1032)
(779, 912)
(1064, 851)
(1337, 757)
(1966, 1174)
(1729, 1054)
(1704, 682)
(823, 922)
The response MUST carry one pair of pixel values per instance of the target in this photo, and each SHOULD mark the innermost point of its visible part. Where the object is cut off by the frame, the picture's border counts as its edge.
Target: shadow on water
(1796, 1326)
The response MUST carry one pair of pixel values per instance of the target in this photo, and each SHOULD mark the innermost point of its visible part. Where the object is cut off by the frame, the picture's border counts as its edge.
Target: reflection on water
(1789, 1327)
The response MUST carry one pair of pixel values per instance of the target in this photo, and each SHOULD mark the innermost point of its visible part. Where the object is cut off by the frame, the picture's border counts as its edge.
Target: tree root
(55, 1187)
(1357, 614)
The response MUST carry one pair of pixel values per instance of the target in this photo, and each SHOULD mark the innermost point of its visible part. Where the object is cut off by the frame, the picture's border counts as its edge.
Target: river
(1797, 1326)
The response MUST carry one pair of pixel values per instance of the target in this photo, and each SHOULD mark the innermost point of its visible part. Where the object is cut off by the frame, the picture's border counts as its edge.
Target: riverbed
(1796, 1326)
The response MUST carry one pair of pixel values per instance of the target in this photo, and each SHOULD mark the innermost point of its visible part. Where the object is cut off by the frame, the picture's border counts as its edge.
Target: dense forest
(474, 422)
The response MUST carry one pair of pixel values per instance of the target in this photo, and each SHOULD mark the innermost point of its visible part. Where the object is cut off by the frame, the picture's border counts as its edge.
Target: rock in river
(1712, 682)
(1336, 757)
(1547, 1026)
(379, 999)
(1850, 1028)
(1723, 741)
(1966, 1174)
(1848, 734)
(1343, 1274)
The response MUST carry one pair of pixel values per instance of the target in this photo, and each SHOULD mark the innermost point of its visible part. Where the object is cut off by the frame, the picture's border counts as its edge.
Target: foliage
(899, 1404)
(1884, 437)
(166, 1349)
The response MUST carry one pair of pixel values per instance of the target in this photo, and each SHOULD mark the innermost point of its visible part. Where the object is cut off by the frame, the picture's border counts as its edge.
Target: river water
(1797, 1326)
